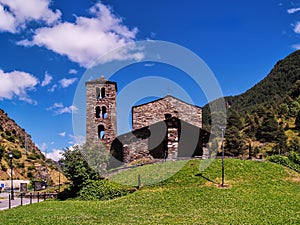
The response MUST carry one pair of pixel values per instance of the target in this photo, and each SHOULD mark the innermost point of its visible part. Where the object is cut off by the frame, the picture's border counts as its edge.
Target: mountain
(263, 119)
(28, 161)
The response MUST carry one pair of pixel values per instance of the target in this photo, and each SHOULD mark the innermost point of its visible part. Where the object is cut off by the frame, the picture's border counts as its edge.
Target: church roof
(167, 96)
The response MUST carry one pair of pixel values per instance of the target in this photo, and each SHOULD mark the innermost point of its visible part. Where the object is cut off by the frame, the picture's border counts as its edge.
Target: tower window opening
(98, 93)
(103, 92)
(98, 112)
(101, 132)
(168, 116)
(104, 113)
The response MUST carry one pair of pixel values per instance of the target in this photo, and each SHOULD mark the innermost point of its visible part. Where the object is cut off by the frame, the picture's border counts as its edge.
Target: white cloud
(296, 46)
(47, 80)
(52, 89)
(62, 134)
(88, 38)
(16, 84)
(14, 14)
(55, 154)
(76, 140)
(297, 28)
(65, 82)
(73, 71)
(293, 10)
(7, 21)
(59, 108)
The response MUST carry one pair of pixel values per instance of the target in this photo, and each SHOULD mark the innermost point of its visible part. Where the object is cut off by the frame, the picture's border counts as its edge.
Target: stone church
(167, 128)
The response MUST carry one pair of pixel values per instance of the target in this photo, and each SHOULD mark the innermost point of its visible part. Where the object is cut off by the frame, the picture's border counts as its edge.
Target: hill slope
(276, 85)
(259, 193)
(28, 162)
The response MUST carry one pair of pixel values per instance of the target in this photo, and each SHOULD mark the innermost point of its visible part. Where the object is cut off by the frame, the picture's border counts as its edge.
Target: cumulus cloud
(65, 82)
(55, 154)
(16, 84)
(59, 108)
(47, 80)
(293, 10)
(88, 38)
(15, 14)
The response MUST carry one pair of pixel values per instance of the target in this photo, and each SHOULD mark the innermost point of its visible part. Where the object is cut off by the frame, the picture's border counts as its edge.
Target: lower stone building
(169, 139)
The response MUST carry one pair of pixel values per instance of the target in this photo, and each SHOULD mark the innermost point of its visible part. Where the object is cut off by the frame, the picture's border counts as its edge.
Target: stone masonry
(101, 116)
(164, 108)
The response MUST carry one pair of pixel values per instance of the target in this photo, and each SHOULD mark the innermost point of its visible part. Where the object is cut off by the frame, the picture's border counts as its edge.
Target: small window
(101, 132)
(168, 116)
(98, 93)
(104, 113)
(103, 92)
(98, 112)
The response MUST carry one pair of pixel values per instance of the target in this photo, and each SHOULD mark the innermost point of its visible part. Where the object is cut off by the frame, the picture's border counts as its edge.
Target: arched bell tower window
(101, 131)
(98, 111)
(103, 92)
(104, 113)
(98, 93)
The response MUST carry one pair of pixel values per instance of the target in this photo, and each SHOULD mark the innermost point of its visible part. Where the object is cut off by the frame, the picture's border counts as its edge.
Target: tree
(268, 129)
(297, 122)
(76, 168)
(233, 141)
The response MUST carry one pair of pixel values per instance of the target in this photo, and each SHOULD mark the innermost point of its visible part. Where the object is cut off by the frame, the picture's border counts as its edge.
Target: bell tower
(101, 115)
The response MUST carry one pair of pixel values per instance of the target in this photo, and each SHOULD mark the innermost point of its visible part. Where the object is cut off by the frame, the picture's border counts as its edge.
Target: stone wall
(164, 108)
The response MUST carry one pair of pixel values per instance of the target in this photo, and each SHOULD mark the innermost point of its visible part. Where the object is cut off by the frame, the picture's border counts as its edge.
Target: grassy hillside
(258, 193)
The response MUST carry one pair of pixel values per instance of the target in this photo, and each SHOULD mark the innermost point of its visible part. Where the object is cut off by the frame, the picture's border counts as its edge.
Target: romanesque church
(164, 129)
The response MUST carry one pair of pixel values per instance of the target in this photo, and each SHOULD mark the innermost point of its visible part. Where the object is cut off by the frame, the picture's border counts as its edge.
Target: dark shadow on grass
(200, 175)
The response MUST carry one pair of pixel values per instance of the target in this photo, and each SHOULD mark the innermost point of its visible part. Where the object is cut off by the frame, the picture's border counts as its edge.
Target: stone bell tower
(101, 115)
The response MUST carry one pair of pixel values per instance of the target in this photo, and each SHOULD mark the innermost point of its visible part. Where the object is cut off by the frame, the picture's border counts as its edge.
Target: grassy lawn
(258, 193)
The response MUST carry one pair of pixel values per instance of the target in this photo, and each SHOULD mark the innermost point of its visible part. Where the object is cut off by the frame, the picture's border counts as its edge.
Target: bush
(290, 161)
(31, 156)
(16, 154)
(7, 132)
(102, 190)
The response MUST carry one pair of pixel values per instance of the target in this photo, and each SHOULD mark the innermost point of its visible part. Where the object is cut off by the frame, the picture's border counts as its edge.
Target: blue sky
(47, 46)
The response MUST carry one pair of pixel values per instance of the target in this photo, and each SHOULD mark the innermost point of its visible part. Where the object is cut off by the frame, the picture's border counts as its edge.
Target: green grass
(258, 193)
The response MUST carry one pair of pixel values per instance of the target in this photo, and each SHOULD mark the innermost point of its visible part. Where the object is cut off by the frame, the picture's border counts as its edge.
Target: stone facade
(101, 116)
(164, 108)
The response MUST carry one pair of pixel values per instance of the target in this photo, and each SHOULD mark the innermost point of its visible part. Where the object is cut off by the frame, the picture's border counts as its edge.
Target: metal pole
(222, 128)
(11, 176)
(9, 201)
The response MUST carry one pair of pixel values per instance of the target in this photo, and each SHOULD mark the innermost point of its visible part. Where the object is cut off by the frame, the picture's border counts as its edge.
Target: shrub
(102, 190)
(31, 156)
(286, 161)
(11, 139)
(7, 132)
(16, 154)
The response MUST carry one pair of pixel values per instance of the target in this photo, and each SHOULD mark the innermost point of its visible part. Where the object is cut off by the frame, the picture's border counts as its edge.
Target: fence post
(9, 201)
(139, 181)
(38, 197)
(30, 197)
(21, 199)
